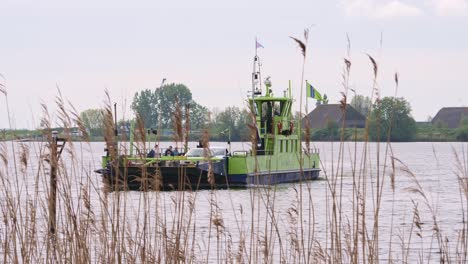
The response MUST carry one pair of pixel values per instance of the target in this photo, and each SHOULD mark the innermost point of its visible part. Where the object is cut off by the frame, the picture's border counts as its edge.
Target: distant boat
(277, 157)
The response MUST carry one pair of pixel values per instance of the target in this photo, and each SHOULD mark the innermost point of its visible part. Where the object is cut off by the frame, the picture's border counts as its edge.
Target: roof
(325, 113)
(450, 116)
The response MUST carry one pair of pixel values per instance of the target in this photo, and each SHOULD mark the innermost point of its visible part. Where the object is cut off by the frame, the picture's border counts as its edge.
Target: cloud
(450, 7)
(379, 9)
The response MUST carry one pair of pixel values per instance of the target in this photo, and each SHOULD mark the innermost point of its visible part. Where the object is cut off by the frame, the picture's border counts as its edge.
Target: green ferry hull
(274, 169)
(230, 172)
(273, 178)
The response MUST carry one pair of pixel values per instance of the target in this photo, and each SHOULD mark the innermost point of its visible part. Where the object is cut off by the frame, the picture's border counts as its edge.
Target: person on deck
(176, 152)
(169, 152)
(154, 152)
(157, 151)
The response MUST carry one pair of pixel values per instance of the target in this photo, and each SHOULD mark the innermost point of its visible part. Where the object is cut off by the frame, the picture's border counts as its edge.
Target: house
(323, 114)
(450, 117)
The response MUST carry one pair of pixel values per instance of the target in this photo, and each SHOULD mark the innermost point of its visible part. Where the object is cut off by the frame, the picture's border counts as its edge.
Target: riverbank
(424, 133)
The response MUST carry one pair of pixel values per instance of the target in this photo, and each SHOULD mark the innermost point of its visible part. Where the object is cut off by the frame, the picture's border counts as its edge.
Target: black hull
(182, 177)
(176, 177)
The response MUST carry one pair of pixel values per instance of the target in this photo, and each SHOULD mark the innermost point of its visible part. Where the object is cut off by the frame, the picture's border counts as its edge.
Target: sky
(78, 50)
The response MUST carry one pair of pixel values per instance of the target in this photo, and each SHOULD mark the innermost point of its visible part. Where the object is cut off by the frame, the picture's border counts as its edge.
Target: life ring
(291, 127)
(280, 127)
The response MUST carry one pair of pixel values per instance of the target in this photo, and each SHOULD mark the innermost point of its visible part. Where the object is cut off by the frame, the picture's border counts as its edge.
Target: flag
(258, 45)
(312, 92)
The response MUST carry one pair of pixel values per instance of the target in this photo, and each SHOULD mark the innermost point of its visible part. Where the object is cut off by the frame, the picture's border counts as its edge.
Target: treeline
(171, 105)
(387, 119)
(163, 108)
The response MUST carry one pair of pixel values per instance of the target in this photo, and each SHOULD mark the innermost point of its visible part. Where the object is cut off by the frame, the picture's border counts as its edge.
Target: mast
(256, 88)
(256, 76)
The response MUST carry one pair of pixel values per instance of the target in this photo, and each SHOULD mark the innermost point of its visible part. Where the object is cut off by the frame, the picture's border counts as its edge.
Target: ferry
(276, 155)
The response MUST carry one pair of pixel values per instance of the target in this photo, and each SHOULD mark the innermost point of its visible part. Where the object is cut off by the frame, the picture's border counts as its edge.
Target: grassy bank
(424, 133)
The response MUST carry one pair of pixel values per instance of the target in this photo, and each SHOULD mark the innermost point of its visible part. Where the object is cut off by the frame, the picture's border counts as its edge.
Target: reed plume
(177, 119)
(2, 86)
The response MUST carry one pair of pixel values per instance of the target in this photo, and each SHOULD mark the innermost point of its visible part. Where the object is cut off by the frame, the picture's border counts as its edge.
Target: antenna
(256, 77)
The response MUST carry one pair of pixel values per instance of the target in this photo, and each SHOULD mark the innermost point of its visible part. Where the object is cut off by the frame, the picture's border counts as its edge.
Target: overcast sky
(85, 47)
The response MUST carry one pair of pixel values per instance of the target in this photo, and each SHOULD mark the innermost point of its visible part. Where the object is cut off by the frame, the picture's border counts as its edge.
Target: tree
(228, 120)
(198, 116)
(245, 118)
(392, 114)
(166, 101)
(93, 121)
(234, 121)
(361, 103)
(462, 131)
(145, 106)
(157, 107)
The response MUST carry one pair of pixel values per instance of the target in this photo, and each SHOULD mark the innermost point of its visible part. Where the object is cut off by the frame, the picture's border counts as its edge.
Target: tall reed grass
(94, 225)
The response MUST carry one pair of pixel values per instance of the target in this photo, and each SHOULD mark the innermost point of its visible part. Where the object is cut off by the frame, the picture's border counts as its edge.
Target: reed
(95, 224)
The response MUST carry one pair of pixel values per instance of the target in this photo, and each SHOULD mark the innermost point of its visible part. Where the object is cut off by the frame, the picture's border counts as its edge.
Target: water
(257, 220)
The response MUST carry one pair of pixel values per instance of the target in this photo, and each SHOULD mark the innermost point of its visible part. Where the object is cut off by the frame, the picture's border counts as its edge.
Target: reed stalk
(290, 223)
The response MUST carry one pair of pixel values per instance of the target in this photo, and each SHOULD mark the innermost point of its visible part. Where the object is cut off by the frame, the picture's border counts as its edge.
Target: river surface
(426, 180)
